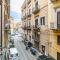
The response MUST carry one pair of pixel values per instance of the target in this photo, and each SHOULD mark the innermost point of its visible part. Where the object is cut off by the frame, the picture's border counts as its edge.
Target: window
(30, 38)
(36, 22)
(29, 23)
(43, 49)
(58, 40)
(27, 32)
(58, 19)
(42, 20)
(29, 11)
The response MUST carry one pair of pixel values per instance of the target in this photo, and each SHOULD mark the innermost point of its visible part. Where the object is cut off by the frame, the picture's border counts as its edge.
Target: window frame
(58, 39)
(58, 24)
(42, 20)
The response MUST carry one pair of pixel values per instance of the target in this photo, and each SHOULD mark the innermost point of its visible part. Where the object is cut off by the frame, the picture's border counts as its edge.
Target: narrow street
(23, 53)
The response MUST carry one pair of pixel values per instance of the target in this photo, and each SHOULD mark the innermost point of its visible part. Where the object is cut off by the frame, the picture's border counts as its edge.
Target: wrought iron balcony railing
(36, 28)
(54, 27)
(28, 1)
(36, 9)
(24, 27)
(23, 17)
(7, 26)
(29, 14)
(28, 27)
(53, 0)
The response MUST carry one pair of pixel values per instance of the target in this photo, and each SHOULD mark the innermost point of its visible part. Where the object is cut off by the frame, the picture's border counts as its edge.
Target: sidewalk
(1, 57)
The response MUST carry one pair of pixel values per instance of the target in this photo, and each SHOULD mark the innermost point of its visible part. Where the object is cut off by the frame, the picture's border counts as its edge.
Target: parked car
(49, 58)
(33, 51)
(41, 57)
(0, 49)
(13, 54)
(44, 57)
(11, 41)
(25, 42)
(12, 34)
(11, 46)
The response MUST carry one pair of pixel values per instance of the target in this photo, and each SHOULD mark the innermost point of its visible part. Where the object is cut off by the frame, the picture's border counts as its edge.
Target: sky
(15, 9)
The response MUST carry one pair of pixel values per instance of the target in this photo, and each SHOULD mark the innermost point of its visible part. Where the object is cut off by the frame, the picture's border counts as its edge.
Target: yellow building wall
(56, 4)
(53, 47)
(43, 3)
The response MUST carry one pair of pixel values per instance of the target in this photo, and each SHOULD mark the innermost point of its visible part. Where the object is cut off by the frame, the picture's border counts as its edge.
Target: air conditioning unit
(52, 25)
(53, 0)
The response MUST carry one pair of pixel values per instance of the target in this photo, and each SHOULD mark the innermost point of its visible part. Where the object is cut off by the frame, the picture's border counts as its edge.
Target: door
(58, 56)
(43, 49)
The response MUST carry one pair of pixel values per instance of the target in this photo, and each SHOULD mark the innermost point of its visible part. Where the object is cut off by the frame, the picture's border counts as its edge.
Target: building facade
(54, 24)
(15, 26)
(4, 24)
(41, 24)
(35, 23)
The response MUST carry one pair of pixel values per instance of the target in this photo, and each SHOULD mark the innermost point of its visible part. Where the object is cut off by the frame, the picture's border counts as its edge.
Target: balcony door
(43, 49)
(36, 22)
(58, 19)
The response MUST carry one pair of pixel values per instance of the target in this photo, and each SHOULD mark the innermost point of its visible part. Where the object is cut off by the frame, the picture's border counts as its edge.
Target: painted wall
(53, 47)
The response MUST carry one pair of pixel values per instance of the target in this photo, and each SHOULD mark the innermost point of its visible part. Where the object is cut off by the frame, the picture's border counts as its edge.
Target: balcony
(36, 39)
(28, 1)
(53, 0)
(24, 28)
(55, 24)
(36, 28)
(28, 27)
(23, 17)
(29, 14)
(54, 27)
(36, 9)
(7, 26)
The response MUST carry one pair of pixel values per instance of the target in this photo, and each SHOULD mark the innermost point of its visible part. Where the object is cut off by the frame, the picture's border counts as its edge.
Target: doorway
(58, 56)
(43, 49)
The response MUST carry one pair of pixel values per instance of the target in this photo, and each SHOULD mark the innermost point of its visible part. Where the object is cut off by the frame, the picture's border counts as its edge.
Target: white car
(13, 54)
